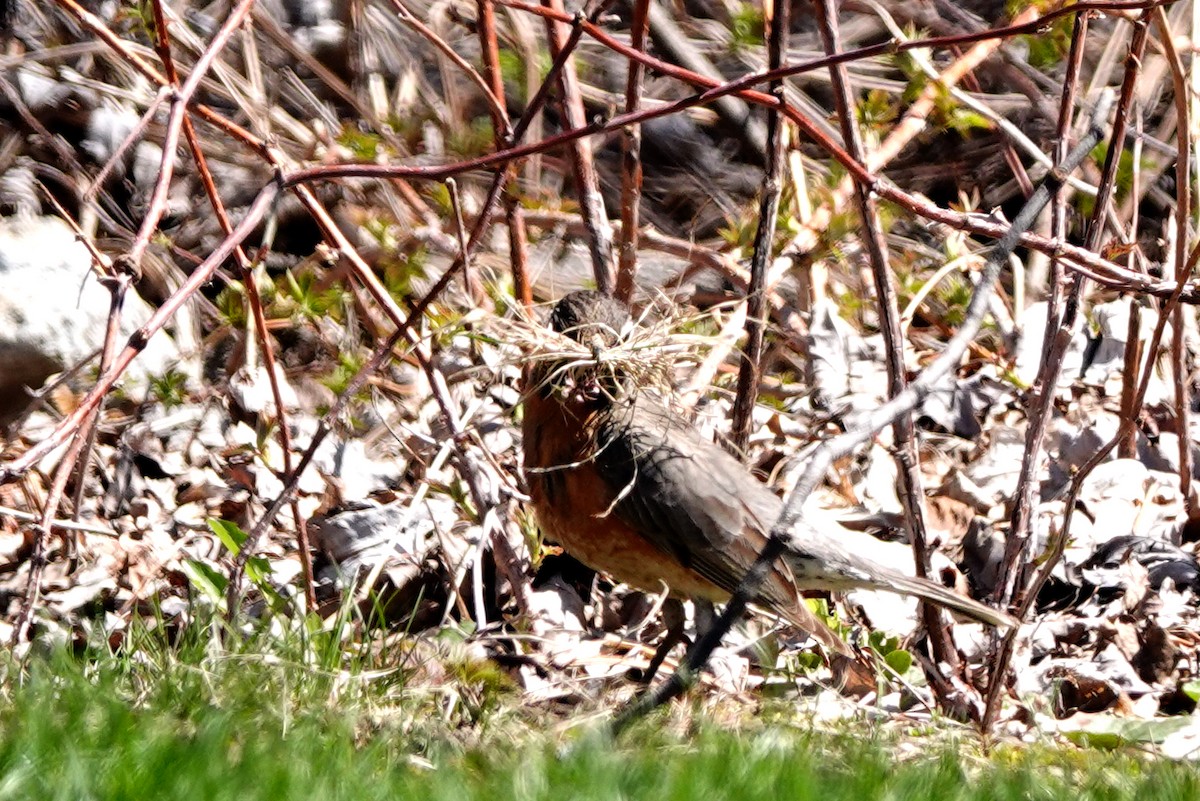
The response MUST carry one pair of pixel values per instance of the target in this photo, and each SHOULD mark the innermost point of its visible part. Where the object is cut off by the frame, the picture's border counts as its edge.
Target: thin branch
(764, 235)
(1056, 347)
(631, 160)
(502, 135)
(1015, 559)
(587, 182)
(1183, 216)
(912, 497)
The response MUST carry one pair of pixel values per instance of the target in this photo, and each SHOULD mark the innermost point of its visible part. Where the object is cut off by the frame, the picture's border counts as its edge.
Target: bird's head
(599, 323)
(591, 318)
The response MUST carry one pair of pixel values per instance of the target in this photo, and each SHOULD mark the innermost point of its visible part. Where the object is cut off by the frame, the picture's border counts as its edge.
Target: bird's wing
(690, 498)
(683, 493)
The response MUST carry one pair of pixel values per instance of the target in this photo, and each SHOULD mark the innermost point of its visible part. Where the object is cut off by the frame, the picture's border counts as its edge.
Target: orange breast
(574, 505)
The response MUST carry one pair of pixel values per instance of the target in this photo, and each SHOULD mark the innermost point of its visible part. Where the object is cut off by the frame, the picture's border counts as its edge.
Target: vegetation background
(265, 532)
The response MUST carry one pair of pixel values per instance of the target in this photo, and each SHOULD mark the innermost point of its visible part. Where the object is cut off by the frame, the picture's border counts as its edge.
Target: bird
(627, 486)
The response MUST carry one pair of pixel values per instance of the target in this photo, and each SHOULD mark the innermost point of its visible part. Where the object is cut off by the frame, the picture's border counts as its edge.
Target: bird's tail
(821, 562)
(894, 581)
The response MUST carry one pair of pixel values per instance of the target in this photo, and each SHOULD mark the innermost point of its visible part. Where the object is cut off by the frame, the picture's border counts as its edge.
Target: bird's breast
(576, 506)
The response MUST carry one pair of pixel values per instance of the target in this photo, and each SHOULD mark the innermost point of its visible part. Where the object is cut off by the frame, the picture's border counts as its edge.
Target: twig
(118, 286)
(472, 284)
(631, 161)
(764, 235)
(912, 497)
(179, 108)
(503, 136)
(947, 82)
(1015, 552)
(1183, 216)
(587, 183)
(1134, 346)
(1062, 144)
(65, 525)
(1051, 366)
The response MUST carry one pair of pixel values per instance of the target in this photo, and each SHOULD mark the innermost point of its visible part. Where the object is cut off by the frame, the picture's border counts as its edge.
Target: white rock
(108, 126)
(53, 311)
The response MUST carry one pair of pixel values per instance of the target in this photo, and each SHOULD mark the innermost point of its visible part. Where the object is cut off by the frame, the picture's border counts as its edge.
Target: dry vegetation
(344, 215)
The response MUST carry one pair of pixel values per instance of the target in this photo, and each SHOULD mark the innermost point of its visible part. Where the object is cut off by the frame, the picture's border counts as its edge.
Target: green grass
(195, 722)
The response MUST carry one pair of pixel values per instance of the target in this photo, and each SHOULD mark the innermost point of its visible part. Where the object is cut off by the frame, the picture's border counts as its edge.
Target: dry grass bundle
(645, 355)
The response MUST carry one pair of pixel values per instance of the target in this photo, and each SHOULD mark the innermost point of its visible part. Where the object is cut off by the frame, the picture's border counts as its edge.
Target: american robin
(628, 487)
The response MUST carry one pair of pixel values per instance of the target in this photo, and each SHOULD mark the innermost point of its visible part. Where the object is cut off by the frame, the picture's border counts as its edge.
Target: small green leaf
(258, 569)
(365, 145)
(1109, 732)
(1106, 740)
(883, 643)
(747, 28)
(230, 535)
(205, 578)
(169, 388)
(807, 661)
(965, 120)
(456, 634)
(899, 661)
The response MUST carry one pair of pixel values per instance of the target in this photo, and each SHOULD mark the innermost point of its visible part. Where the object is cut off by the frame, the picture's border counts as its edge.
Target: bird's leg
(674, 618)
(706, 616)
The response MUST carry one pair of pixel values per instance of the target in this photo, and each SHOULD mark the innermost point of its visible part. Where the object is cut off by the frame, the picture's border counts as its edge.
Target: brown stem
(502, 135)
(1127, 446)
(1183, 215)
(907, 459)
(631, 160)
(1016, 556)
(764, 237)
(587, 182)
(1043, 393)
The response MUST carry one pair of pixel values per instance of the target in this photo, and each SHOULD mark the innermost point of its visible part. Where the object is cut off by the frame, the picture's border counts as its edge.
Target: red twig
(518, 240)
